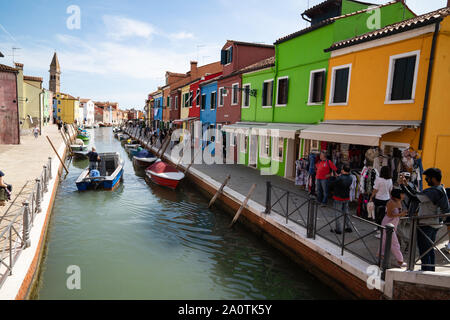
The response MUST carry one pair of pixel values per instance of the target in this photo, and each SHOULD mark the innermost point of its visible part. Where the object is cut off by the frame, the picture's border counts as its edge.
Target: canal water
(142, 241)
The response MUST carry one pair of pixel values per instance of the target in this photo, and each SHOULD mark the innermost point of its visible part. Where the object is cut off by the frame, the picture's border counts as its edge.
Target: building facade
(9, 106)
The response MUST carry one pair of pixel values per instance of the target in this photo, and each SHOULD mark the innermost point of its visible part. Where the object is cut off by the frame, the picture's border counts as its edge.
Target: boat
(96, 126)
(77, 147)
(101, 125)
(144, 159)
(164, 174)
(88, 126)
(83, 137)
(134, 151)
(107, 177)
(80, 155)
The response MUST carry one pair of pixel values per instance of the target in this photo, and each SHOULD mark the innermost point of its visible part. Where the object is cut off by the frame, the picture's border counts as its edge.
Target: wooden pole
(244, 204)
(62, 162)
(219, 191)
(162, 144)
(166, 146)
(192, 162)
(66, 143)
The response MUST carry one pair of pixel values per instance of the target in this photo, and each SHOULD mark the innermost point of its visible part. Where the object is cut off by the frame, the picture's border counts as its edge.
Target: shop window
(213, 100)
(264, 146)
(203, 101)
(243, 143)
(402, 77)
(283, 91)
(234, 94)
(316, 87)
(267, 93)
(246, 96)
(278, 148)
(221, 96)
(340, 83)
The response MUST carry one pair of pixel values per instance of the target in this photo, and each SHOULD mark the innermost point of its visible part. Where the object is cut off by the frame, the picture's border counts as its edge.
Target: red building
(235, 56)
(9, 107)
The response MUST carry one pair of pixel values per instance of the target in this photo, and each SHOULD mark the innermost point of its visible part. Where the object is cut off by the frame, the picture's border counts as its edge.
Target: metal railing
(307, 212)
(20, 215)
(432, 245)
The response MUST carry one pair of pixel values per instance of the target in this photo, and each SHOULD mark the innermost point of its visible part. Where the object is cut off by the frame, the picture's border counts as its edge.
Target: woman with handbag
(381, 194)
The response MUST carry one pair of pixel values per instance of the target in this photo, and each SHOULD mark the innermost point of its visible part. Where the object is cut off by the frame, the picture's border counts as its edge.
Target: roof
(251, 44)
(323, 5)
(413, 23)
(55, 62)
(5, 68)
(330, 21)
(266, 63)
(84, 100)
(67, 96)
(30, 78)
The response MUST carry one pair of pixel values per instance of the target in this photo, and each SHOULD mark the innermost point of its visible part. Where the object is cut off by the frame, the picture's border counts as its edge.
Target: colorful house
(290, 93)
(9, 106)
(158, 109)
(88, 111)
(67, 107)
(401, 105)
(208, 90)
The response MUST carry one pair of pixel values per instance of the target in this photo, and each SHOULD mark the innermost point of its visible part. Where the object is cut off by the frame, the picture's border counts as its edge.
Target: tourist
(94, 158)
(59, 125)
(324, 168)
(411, 203)
(393, 214)
(381, 194)
(3, 190)
(66, 128)
(434, 201)
(36, 132)
(341, 197)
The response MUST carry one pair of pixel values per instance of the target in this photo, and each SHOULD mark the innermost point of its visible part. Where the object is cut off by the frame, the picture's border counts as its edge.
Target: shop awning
(368, 135)
(271, 129)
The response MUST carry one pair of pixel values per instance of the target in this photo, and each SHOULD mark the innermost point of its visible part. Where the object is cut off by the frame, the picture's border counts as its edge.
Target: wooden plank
(244, 204)
(53, 147)
(219, 191)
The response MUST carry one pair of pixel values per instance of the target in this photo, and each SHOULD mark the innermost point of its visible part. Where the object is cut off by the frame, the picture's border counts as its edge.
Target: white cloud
(120, 28)
(181, 36)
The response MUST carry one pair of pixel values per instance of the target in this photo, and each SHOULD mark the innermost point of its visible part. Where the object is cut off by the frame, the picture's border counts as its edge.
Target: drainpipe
(275, 85)
(427, 89)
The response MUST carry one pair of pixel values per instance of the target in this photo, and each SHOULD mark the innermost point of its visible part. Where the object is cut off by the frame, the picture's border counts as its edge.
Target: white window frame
(228, 63)
(210, 100)
(232, 94)
(262, 92)
(191, 99)
(198, 97)
(243, 93)
(221, 91)
(310, 103)
(275, 147)
(278, 91)
(390, 81)
(333, 74)
(262, 146)
(169, 106)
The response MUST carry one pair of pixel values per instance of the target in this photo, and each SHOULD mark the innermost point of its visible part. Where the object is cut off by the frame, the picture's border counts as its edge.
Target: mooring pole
(219, 191)
(54, 149)
(244, 204)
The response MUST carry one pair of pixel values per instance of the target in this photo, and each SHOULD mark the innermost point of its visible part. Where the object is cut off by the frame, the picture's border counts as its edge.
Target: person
(393, 214)
(341, 196)
(324, 168)
(3, 190)
(94, 158)
(59, 125)
(381, 194)
(36, 132)
(66, 129)
(411, 203)
(433, 201)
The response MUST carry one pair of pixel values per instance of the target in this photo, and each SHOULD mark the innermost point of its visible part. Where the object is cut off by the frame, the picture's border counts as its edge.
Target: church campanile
(55, 73)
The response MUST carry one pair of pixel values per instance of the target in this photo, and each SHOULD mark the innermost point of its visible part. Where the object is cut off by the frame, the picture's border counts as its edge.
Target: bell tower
(55, 73)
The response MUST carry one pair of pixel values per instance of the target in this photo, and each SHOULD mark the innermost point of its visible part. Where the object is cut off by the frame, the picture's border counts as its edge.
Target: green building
(290, 88)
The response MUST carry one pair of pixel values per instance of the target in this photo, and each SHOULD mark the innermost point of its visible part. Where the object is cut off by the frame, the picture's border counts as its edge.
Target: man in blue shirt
(94, 158)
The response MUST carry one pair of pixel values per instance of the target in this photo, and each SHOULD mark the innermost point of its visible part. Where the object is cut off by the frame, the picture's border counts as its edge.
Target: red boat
(164, 174)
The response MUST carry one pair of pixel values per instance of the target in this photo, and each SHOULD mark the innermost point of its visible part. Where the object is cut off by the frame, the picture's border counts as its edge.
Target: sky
(120, 50)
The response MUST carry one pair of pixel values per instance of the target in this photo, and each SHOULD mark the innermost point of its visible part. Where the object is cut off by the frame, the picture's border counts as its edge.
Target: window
(267, 93)
(221, 96)
(176, 102)
(191, 97)
(340, 83)
(283, 90)
(278, 148)
(186, 100)
(243, 143)
(203, 101)
(213, 100)
(234, 94)
(168, 102)
(402, 77)
(316, 87)
(264, 146)
(246, 96)
(197, 98)
(226, 56)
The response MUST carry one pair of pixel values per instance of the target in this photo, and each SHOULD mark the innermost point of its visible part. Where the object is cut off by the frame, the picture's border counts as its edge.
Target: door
(253, 151)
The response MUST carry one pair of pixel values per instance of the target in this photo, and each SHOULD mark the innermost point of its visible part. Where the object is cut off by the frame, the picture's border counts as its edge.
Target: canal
(145, 242)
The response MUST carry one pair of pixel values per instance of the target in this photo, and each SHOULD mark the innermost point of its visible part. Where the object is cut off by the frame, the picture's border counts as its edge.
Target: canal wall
(347, 274)
(19, 285)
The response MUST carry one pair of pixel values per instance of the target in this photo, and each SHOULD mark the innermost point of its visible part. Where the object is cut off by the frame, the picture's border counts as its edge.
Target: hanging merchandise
(301, 172)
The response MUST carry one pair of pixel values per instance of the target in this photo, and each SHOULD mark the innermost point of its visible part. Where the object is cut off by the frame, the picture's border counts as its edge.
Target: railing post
(38, 195)
(26, 225)
(287, 207)
(50, 168)
(45, 179)
(387, 249)
(268, 197)
(412, 245)
(310, 218)
(344, 215)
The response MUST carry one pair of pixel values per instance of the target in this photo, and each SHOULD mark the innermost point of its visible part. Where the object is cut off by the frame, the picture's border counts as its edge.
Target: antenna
(13, 53)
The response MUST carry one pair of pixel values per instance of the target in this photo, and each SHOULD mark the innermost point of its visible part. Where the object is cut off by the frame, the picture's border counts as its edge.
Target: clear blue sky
(123, 48)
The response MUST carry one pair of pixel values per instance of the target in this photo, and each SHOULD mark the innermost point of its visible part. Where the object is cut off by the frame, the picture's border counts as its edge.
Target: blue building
(158, 110)
(208, 106)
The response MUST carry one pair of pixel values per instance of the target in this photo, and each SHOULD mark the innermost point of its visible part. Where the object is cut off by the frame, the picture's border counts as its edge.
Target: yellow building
(67, 107)
(380, 92)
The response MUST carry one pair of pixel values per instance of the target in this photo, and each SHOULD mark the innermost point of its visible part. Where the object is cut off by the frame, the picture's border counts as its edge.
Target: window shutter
(286, 91)
(402, 82)
(231, 55)
(223, 57)
(340, 86)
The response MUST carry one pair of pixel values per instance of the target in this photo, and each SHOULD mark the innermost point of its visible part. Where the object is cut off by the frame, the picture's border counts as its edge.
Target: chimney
(19, 65)
(194, 70)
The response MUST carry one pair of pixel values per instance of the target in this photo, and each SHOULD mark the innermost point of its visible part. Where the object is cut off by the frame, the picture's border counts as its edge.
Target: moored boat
(77, 147)
(80, 155)
(164, 174)
(107, 177)
(144, 159)
(83, 137)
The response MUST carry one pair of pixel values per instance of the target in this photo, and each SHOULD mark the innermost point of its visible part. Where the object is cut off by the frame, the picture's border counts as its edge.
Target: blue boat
(108, 175)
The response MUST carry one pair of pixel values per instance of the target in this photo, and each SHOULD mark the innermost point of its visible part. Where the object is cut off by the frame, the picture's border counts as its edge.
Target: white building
(88, 111)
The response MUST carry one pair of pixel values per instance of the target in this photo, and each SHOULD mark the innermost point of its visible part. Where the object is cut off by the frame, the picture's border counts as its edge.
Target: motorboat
(108, 175)
(144, 159)
(77, 147)
(164, 174)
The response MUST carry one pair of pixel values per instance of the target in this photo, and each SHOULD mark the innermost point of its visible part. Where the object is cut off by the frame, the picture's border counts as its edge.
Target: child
(393, 215)
(36, 132)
